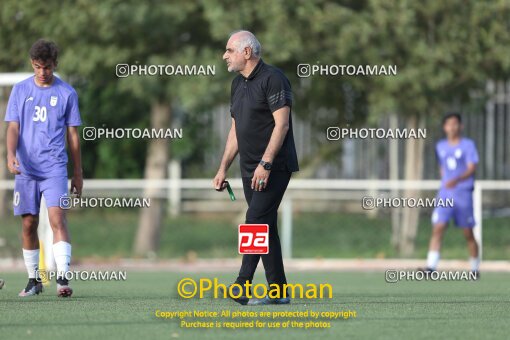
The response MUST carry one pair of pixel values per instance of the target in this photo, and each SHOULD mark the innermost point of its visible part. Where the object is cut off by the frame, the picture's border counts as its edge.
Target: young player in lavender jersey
(42, 111)
(457, 157)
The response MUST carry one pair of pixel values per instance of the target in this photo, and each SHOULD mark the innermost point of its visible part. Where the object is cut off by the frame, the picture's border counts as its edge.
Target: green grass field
(125, 310)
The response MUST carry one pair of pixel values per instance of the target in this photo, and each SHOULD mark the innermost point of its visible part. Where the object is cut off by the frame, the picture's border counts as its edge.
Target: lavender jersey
(454, 160)
(43, 114)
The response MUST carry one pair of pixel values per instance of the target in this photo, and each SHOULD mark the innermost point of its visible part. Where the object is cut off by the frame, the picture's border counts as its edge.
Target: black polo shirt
(253, 101)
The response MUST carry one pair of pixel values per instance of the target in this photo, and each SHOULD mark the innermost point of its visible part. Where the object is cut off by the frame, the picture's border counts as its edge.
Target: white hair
(248, 39)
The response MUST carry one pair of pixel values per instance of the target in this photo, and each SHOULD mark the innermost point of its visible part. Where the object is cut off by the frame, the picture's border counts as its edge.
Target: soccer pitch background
(356, 68)
(114, 310)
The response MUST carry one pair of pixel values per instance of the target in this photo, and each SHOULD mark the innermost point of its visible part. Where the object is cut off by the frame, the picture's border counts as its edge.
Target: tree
(94, 38)
(444, 50)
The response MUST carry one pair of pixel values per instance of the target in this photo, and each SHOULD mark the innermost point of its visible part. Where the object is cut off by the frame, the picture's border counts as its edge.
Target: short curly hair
(44, 50)
(455, 115)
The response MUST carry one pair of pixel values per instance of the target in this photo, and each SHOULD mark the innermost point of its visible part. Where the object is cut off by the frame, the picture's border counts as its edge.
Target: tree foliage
(443, 51)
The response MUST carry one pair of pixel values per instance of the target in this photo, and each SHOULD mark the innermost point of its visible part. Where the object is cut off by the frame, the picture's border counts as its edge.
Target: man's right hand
(13, 165)
(218, 180)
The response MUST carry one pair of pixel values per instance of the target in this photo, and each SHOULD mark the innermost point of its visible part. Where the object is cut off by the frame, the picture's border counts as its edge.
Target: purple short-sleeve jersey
(454, 160)
(43, 114)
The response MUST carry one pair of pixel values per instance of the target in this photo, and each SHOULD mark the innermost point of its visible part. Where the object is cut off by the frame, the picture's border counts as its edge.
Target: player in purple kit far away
(41, 113)
(457, 157)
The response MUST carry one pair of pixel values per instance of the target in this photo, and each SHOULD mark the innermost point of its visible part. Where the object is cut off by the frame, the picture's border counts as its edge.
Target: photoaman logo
(253, 239)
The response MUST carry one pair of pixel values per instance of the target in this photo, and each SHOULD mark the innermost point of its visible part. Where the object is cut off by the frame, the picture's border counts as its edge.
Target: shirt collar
(256, 70)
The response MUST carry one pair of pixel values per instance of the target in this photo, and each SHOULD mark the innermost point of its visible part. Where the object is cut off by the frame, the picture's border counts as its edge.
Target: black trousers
(263, 209)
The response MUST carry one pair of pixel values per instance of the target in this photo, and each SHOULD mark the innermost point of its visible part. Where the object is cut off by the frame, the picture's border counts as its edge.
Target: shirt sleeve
(279, 93)
(472, 154)
(12, 113)
(72, 111)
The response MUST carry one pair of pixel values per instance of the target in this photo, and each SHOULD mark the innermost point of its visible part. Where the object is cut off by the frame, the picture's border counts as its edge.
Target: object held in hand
(224, 185)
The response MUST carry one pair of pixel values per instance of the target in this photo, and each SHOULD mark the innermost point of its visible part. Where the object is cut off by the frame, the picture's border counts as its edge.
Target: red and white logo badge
(253, 238)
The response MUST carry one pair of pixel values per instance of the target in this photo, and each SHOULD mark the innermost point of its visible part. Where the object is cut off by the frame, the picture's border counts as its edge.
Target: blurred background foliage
(443, 50)
(449, 54)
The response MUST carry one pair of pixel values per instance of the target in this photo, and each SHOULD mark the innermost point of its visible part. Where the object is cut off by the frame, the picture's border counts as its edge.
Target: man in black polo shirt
(261, 132)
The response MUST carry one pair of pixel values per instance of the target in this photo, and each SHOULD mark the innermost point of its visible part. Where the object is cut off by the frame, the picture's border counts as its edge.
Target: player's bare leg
(61, 249)
(437, 236)
(58, 224)
(29, 231)
(474, 259)
(471, 242)
(435, 246)
(30, 242)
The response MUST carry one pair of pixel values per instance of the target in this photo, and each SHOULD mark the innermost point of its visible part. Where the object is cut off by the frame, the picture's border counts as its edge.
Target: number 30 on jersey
(40, 114)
